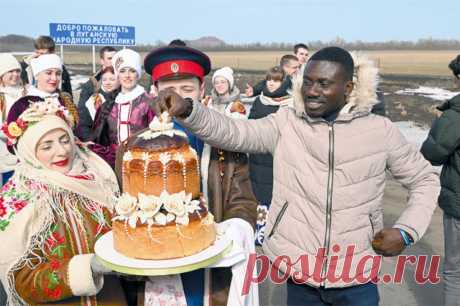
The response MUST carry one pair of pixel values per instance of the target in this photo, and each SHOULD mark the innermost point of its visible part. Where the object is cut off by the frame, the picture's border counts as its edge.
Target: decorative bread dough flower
(170, 217)
(14, 129)
(132, 220)
(160, 218)
(164, 124)
(175, 203)
(193, 206)
(126, 205)
(149, 205)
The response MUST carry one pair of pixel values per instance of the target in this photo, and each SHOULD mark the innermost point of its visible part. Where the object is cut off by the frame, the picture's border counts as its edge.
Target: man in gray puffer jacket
(330, 160)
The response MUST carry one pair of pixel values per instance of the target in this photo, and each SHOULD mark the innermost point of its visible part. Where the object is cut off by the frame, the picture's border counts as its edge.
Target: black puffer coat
(442, 147)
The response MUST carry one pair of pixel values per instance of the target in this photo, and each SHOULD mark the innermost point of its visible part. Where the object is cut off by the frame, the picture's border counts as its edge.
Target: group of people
(313, 178)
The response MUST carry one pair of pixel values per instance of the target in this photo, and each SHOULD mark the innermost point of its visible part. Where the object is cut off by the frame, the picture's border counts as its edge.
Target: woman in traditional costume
(47, 71)
(129, 113)
(52, 211)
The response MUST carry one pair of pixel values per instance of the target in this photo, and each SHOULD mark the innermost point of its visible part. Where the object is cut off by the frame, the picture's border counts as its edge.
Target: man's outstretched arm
(252, 136)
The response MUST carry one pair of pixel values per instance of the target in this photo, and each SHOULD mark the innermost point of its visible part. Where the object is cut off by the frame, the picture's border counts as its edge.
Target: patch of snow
(414, 133)
(77, 80)
(435, 93)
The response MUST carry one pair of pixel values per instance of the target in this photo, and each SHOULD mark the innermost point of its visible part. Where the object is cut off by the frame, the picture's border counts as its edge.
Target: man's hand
(172, 103)
(388, 242)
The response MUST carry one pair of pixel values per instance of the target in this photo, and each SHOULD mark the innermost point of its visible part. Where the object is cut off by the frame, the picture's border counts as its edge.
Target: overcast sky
(242, 21)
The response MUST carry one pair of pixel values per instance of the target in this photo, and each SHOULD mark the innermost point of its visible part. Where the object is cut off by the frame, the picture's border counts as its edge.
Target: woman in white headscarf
(53, 209)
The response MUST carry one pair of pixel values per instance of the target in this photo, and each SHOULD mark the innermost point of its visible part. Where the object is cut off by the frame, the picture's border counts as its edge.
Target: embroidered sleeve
(46, 281)
(59, 275)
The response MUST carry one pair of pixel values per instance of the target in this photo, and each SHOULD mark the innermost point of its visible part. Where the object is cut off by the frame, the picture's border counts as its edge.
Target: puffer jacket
(329, 178)
(441, 148)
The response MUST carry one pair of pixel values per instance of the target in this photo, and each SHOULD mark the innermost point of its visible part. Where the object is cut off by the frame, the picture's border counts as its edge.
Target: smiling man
(330, 157)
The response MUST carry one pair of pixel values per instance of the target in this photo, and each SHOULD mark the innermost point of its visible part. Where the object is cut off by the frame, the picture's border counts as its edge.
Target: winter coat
(441, 148)
(259, 87)
(86, 118)
(329, 177)
(87, 89)
(261, 165)
(28, 78)
(225, 104)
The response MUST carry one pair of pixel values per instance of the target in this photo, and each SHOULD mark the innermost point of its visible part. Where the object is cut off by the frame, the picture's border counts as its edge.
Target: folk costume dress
(49, 223)
(116, 122)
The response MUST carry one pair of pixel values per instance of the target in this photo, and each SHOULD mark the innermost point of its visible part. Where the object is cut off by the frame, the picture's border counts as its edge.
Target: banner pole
(94, 59)
(62, 53)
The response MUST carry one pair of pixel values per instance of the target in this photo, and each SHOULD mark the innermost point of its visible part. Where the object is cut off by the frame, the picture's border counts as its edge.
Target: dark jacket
(66, 86)
(88, 88)
(441, 148)
(261, 165)
(86, 123)
(230, 196)
(259, 87)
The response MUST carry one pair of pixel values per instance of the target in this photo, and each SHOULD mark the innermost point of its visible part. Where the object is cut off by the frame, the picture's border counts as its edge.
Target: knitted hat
(127, 58)
(226, 73)
(7, 63)
(44, 62)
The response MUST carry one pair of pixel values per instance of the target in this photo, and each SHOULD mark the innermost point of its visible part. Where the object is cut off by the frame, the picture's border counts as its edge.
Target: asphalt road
(408, 293)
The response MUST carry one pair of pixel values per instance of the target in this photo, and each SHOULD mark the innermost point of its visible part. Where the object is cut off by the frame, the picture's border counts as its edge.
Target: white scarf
(54, 97)
(90, 104)
(124, 97)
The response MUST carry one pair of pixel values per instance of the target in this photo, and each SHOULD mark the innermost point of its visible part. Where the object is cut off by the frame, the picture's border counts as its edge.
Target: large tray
(110, 258)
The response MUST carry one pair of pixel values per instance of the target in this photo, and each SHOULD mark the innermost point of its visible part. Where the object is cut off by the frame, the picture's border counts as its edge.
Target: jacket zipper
(278, 219)
(330, 184)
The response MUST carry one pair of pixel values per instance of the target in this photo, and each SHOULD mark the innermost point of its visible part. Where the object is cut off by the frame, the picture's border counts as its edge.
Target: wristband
(407, 239)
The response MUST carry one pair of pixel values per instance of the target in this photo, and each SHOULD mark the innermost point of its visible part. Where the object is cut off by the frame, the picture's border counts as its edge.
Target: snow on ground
(414, 134)
(77, 80)
(435, 93)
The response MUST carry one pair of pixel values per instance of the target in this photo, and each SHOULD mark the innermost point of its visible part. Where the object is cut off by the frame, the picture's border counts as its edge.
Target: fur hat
(127, 58)
(7, 63)
(44, 62)
(226, 73)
